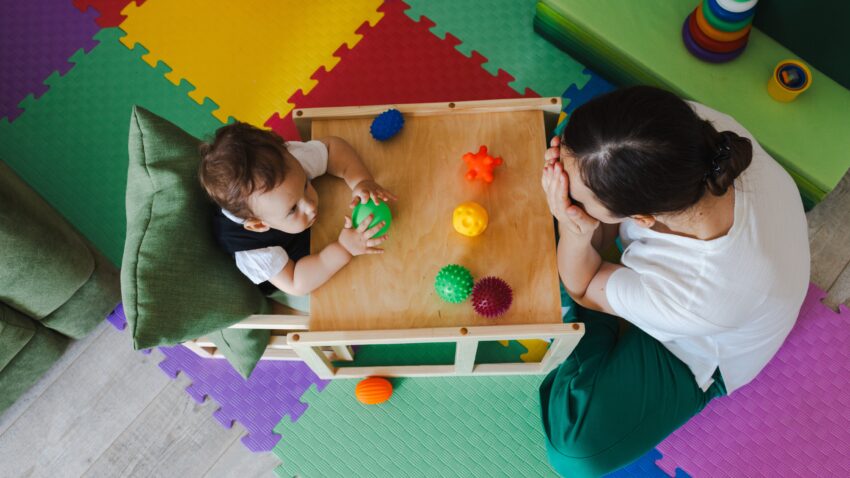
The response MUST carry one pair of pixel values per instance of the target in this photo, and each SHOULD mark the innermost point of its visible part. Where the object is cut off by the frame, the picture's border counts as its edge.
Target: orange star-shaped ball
(481, 165)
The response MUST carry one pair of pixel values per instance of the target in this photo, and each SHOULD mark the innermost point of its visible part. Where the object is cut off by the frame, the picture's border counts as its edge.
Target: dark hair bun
(733, 154)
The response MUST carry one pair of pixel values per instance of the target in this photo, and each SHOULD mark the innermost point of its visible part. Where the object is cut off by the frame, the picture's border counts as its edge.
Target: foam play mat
(70, 72)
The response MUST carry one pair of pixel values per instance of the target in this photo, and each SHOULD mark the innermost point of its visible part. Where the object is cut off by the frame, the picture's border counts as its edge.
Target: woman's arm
(583, 271)
(604, 237)
(580, 266)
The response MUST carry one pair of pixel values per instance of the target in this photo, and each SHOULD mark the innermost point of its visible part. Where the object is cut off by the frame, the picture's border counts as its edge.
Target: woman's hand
(556, 185)
(554, 152)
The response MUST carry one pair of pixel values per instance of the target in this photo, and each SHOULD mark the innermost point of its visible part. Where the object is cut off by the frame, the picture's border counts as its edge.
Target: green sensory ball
(380, 212)
(453, 283)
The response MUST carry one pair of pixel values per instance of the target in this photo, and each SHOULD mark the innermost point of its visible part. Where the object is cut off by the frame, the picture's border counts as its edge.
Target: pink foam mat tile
(791, 420)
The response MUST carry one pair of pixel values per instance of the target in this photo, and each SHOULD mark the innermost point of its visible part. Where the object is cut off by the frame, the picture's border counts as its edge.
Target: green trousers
(615, 397)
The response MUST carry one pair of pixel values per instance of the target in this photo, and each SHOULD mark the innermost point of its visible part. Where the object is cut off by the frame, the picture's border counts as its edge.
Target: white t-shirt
(731, 301)
(260, 265)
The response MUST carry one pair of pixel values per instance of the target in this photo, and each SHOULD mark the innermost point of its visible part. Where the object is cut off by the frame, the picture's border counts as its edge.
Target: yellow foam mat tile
(535, 349)
(247, 56)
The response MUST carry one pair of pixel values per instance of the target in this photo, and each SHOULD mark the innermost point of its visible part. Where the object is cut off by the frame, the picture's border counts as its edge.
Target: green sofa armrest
(32, 349)
(43, 260)
(16, 330)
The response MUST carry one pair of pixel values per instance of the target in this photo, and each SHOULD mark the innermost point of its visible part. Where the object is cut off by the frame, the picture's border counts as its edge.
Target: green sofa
(54, 286)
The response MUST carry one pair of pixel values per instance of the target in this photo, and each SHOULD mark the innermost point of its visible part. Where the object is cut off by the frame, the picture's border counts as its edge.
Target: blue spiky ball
(387, 124)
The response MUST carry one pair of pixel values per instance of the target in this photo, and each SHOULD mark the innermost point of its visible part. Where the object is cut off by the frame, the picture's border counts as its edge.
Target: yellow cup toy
(789, 79)
(470, 219)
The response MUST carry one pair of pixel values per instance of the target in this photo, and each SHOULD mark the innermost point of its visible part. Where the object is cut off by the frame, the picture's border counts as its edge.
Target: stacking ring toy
(710, 44)
(726, 15)
(716, 34)
(719, 24)
(737, 6)
(704, 54)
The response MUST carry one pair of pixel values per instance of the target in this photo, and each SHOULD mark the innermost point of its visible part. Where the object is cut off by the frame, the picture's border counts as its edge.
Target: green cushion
(30, 363)
(297, 302)
(43, 261)
(16, 330)
(242, 347)
(640, 42)
(176, 283)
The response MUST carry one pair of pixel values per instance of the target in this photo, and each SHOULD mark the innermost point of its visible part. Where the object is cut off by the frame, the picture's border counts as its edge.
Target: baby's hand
(368, 189)
(361, 241)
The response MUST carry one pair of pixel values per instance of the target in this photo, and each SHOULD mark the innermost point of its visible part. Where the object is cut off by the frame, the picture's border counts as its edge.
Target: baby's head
(642, 152)
(249, 172)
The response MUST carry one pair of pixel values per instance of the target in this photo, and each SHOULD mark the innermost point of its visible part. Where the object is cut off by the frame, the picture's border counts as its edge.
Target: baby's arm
(344, 163)
(311, 272)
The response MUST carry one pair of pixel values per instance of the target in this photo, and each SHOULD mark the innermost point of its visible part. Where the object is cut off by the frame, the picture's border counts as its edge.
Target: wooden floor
(107, 411)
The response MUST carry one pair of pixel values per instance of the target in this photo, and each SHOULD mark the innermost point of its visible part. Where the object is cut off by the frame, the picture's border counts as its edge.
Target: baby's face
(581, 194)
(292, 206)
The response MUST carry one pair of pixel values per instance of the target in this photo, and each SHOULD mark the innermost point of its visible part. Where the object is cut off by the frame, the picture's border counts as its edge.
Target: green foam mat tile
(501, 31)
(446, 426)
(71, 143)
(432, 354)
(430, 427)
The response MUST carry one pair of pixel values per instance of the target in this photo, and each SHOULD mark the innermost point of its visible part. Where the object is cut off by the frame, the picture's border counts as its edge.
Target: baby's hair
(239, 161)
(643, 150)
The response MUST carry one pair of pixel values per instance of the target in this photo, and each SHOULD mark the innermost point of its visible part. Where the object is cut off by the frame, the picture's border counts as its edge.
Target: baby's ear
(255, 225)
(644, 220)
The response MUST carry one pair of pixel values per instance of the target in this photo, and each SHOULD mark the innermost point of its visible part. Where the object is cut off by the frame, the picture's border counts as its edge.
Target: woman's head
(643, 151)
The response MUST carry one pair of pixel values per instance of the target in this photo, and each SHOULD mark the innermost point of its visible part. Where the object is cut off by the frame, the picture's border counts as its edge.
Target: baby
(262, 185)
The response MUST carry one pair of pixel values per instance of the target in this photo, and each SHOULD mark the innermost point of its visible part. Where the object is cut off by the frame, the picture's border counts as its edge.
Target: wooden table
(390, 298)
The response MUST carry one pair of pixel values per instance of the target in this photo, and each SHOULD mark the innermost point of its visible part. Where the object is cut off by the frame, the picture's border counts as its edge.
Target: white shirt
(731, 301)
(260, 265)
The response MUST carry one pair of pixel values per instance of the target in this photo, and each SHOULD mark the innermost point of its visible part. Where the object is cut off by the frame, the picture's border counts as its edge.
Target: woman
(713, 274)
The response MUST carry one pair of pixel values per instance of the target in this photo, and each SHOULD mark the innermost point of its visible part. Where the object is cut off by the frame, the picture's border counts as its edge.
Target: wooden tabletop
(422, 165)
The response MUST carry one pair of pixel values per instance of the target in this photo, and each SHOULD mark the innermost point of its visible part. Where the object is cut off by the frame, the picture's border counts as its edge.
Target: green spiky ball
(454, 283)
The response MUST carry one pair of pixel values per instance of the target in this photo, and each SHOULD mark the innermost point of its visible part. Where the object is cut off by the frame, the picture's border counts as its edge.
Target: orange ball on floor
(373, 390)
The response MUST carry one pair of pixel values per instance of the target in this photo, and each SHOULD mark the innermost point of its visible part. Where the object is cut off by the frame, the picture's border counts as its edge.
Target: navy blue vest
(232, 237)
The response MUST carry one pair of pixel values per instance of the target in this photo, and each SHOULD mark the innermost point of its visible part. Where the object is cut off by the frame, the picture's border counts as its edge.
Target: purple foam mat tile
(258, 404)
(791, 420)
(117, 317)
(36, 38)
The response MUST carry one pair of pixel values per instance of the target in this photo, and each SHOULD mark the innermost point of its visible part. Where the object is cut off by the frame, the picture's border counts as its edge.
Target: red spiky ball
(492, 297)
